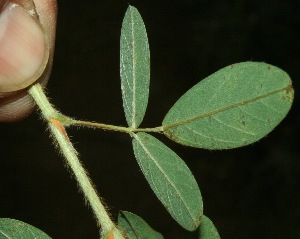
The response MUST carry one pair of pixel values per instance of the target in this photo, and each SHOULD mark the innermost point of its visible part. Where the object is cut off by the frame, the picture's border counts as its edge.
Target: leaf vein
(4, 234)
(271, 108)
(125, 73)
(133, 74)
(253, 116)
(232, 127)
(205, 136)
(217, 91)
(185, 121)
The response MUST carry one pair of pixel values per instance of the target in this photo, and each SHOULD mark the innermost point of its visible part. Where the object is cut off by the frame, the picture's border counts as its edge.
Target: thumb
(27, 32)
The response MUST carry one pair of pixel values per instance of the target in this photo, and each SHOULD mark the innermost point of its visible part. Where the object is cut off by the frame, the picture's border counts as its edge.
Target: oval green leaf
(11, 228)
(134, 67)
(170, 179)
(207, 229)
(233, 107)
(135, 227)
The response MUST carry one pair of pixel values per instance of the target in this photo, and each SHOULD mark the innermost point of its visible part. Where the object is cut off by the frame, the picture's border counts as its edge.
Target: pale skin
(15, 103)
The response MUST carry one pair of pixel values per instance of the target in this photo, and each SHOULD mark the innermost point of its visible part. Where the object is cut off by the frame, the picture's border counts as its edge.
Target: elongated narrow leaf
(14, 229)
(207, 229)
(233, 107)
(170, 179)
(134, 67)
(135, 227)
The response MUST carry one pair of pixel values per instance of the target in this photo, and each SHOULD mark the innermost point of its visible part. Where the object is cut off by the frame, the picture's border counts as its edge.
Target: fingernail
(23, 48)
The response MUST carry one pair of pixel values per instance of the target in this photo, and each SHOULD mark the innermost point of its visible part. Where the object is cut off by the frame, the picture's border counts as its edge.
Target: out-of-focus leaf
(207, 229)
(233, 107)
(134, 67)
(135, 227)
(170, 179)
(14, 229)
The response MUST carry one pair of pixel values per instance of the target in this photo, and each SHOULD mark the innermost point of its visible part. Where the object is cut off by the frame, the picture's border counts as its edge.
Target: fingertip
(15, 106)
(24, 48)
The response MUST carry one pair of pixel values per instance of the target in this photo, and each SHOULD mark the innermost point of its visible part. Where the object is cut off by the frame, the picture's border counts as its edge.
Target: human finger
(27, 34)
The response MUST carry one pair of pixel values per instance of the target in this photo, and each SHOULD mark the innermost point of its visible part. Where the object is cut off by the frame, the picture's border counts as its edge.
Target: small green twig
(112, 127)
(65, 146)
(149, 130)
(94, 125)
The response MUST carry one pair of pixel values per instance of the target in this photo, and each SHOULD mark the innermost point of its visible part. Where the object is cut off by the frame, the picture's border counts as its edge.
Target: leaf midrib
(135, 231)
(133, 73)
(182, 122)
(1, 232)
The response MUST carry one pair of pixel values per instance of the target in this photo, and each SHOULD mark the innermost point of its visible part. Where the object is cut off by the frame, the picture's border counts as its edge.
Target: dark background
(251, 192)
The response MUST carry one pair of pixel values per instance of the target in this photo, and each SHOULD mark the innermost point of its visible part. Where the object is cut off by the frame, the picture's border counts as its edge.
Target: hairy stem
(112, 127)
(59, 134)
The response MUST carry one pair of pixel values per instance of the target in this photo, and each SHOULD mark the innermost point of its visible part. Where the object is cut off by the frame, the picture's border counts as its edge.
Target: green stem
(58, 132)
(111, 127)
(149, 130)
(94, 125)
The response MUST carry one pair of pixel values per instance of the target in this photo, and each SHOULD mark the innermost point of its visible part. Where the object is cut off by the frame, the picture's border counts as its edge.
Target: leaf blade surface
(11, 228)
(135, 227)
(233, 107)
(207, 229)
(134, 67)
(170, 179)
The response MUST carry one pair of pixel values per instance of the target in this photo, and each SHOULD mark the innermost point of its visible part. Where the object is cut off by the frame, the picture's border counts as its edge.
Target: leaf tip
(289, 93)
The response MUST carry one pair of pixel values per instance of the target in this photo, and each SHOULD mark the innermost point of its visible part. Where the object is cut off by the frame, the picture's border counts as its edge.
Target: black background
(251, 192)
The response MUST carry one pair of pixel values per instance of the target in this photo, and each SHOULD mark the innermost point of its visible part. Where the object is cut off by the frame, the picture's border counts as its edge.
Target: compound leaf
(170, 179)
(134, 67)
(233, 107)
(11, 228)
(135, 227)
(207, 229)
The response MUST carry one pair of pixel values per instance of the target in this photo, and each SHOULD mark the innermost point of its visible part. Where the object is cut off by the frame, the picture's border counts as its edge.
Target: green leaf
(135, 227)
(134, 67)
(208, 230)
(233, 107)
(170, 179)
(14, 229)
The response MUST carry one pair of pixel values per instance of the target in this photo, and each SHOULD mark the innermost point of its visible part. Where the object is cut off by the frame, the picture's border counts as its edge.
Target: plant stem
(112, 127)
(94, 125)
(149, 130)
(64, 144)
